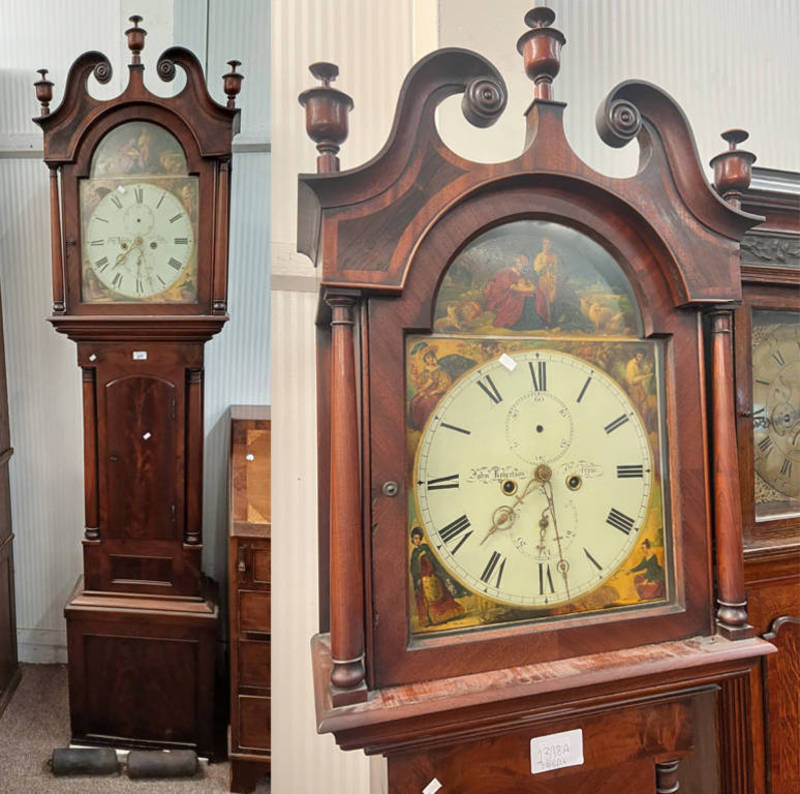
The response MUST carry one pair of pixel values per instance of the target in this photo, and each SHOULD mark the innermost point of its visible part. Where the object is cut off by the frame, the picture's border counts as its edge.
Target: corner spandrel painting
(139, 219)
(535, 276)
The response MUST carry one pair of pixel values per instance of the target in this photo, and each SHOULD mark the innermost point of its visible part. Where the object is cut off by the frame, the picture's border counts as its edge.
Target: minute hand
(563, 565)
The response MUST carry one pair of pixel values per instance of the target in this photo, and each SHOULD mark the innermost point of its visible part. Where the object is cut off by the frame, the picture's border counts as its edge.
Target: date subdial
(539, 428)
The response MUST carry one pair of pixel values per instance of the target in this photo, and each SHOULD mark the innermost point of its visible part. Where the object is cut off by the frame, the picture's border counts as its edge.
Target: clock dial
(533, 479)
(139, 240)
(776, 410)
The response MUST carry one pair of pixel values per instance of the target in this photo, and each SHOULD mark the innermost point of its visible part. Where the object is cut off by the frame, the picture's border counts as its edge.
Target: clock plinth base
(735, 632)
(141, 670)
(347, 697)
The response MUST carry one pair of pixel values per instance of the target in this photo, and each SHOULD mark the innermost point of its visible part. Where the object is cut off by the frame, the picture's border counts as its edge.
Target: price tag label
(508, 362)
(432, 787)
(556, 751)
(140, 355)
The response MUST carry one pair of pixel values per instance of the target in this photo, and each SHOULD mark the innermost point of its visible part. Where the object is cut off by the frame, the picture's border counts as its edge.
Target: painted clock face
(140, 240)
(139, 209)
(776, 412)
(536, 439)
(576, 487)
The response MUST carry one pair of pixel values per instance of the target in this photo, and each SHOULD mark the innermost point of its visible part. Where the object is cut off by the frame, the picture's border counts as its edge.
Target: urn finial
(44, 91)
(232, 81)
(135, 38)
(326, 115)
(540, 48)
(733, 168)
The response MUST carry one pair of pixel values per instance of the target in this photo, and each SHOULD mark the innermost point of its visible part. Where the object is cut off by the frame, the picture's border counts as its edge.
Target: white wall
(727, 62)
(45, 410)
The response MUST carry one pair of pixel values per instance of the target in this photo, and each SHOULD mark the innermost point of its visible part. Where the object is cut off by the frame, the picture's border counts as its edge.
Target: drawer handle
(241, 565)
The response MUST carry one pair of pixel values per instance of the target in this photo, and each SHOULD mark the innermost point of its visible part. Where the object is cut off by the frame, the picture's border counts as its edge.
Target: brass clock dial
(139, 240)
(776, 407)
(533, 478)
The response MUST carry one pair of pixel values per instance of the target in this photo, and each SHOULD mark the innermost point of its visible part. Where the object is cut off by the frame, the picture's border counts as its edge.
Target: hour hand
(502, 518)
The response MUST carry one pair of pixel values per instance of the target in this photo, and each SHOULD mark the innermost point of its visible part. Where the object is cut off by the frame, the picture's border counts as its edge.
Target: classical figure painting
(533, 275)
(139, 219)
(537, 366)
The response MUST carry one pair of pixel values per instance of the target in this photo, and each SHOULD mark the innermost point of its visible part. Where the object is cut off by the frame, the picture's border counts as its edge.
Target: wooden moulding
(483, 704)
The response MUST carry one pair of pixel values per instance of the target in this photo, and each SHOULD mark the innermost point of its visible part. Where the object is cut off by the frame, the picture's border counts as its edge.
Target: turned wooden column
(57, 255)
(194, 458)
(90, 491)
(346, 545)
(667, 777)
(220, 286)
(731, 601)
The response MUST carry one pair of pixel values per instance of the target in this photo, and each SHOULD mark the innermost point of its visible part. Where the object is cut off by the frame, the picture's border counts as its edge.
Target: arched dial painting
(139, 219)
(536, 440)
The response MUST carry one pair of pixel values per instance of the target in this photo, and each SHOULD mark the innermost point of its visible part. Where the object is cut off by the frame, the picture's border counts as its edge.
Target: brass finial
(135, 38)
(233, 83)
(44, 91)
(540, 48)
(326, 115)
(733, 168)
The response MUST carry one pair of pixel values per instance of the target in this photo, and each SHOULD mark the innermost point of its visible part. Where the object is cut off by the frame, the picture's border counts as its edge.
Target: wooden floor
(37, 720)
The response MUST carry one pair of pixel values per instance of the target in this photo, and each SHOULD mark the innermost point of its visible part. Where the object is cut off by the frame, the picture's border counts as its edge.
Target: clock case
(384, 235)
(770, 282)
(770, 256)
(142, 621)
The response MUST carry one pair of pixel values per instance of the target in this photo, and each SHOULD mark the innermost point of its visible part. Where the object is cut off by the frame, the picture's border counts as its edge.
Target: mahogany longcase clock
(525, 530)
(139, 189)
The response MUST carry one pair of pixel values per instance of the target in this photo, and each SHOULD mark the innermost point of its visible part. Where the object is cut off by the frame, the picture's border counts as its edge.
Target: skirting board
(42, 646)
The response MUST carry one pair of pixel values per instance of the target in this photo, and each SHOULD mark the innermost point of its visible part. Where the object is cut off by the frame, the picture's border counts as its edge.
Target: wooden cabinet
(768, 437)
(9, 665)
(249, 595)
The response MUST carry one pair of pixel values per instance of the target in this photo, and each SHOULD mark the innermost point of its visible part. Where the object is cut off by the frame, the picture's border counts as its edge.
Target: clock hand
(505, 513)
(543, 474)
(502, 515)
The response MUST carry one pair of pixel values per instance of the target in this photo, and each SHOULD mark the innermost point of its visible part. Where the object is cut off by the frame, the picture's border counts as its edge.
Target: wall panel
(372, 45)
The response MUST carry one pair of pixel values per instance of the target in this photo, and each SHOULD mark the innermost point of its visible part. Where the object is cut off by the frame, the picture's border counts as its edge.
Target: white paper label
(140, 355)
(93, 357)
(508, 362)
(147, 436)
(556, 750)
(432, 787)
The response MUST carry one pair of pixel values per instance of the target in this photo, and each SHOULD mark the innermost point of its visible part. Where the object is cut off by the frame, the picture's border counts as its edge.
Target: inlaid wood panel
(618, 750)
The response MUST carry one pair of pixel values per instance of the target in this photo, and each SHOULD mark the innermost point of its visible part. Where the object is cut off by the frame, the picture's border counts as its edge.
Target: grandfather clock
(139, 190)
(527, 444)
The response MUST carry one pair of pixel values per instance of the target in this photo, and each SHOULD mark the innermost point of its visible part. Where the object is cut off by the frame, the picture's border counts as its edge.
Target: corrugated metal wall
(46, 470)
(727, 62)
(372, 44)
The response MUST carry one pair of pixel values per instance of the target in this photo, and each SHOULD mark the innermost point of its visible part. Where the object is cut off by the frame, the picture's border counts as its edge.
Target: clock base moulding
(389, 719)
(141, 672)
